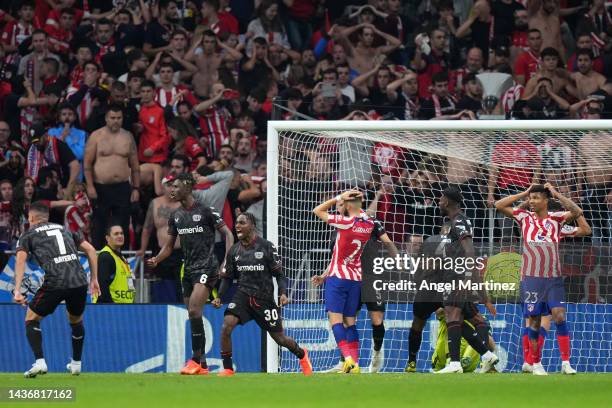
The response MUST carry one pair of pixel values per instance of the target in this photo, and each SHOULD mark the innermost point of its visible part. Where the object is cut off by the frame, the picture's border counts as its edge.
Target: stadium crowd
(103, 102)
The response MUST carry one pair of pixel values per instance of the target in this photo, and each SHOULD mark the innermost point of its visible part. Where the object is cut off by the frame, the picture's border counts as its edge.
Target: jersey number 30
(60, 240)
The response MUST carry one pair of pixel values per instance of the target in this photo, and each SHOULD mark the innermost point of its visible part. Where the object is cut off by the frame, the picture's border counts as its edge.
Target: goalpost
(402, 167)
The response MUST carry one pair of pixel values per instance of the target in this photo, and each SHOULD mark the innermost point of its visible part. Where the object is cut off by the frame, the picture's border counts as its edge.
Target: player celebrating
(195, 223)
(254, 262)
(343, 285)
(542, 287)
(55, 251)
(457, 243)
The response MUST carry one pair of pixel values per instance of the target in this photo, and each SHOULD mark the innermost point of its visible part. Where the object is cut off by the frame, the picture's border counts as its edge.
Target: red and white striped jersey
(15, 32)
(353, 234)
(540, 243)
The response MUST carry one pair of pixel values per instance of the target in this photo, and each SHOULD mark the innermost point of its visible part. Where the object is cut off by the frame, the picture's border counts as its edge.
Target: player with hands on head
(196, 224)
(254, 262)
(542, 289)
(343, 275)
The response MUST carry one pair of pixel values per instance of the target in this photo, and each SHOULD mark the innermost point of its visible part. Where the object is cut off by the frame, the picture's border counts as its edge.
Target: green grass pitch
(322, 390)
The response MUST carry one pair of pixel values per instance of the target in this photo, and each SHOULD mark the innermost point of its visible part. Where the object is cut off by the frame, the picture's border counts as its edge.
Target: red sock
(345, 348)
(526, 349)
(535, 353)
(354, 347)
(541, 341)
(564, 347)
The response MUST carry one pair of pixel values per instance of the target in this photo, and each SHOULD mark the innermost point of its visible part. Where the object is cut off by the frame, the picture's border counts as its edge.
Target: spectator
(166, 59)
(119, 97)
(472, 95)
(45, 151)
(60, 34)
(216, 20)
(343, 72)
(504, 13)
(256, 69)
(478, 26)
(114, 274)
(429, 59)
(363, 56)
(67, 132)
(154, 139)
(587, 80)
(104, 42)
(156, 222)
(226, 153)
(185, 143)
(474, 65)
(550, 69)
(584, 41)
(441, 103)
(406, 100)
(298, 22)
(268, 25)
(78, 215)
(6, 197)
(20, 206)
(157, 34)
(77, 74)
(213, 121)
(168, 94)
(528, 62)
(598, 23)
(136, 61)
(550, 104)
(544, 16)
(87, 94)
(17, 31)
(519, 36)
(244, 155)
(179, 164)
(112, 173)
(378, 93)
(258, 209)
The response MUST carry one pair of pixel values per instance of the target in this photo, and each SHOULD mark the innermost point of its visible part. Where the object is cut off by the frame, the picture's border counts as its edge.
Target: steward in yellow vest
(114, 273)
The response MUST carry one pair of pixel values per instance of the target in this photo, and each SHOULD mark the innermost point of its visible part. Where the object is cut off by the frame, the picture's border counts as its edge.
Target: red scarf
(37, 160)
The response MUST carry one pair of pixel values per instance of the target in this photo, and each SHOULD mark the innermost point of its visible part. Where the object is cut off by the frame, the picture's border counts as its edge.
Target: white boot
(377, 361)
(566, 368)
(527, 368)
(74, 367)
(487, 361)
(538, 369)
(39, 367)
(451, 368)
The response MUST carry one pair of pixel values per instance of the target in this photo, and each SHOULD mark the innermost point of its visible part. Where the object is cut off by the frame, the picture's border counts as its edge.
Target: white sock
(488, 355)
(75, 362)
(455, 364)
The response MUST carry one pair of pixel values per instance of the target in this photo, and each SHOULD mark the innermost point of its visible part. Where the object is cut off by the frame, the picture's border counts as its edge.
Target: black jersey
(254, 266)
(56, 251)
(452, 233)
(196, 229)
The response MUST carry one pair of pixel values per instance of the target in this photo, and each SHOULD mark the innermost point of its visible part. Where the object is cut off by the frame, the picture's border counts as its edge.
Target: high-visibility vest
(122, 287)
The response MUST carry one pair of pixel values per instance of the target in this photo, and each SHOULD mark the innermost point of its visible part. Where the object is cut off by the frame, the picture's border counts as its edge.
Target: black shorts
(425, 303)
(266, 313)
(46, 300)
(468, 309)
(207, 278)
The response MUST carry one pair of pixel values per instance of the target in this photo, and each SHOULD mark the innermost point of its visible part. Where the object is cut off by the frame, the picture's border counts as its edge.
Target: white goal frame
(275, 127)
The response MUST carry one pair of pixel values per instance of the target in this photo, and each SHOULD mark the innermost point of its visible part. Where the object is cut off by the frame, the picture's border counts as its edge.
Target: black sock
(414, 344)
(226, 356)
(473, 339)
(289, 344)
(34, 335)
(78, 335)
(483, 331)
(378, 335)
(197, 338)
(454, 340)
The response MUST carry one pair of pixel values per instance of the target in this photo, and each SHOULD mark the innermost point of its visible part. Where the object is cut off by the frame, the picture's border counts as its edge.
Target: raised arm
(389, 245)
(573, 211)
(504, 205)
(361, 82)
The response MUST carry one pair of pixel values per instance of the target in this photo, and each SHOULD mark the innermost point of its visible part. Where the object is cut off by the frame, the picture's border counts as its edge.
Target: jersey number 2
(60, 240)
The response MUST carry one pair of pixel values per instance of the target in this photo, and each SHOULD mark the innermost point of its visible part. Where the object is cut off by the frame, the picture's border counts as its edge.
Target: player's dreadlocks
(250, 217)
(187, 179)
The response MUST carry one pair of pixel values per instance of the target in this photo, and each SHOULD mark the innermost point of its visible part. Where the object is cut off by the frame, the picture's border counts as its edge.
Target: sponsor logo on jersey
(176, 219)
(259, 255)
(237, 257)
(251, 268)
(197, 217)
(192, 230)
(362, 230)
(65, 258)
(231, 306)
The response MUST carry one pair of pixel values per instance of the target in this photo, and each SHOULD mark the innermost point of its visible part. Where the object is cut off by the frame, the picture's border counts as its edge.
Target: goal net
(402, 168)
